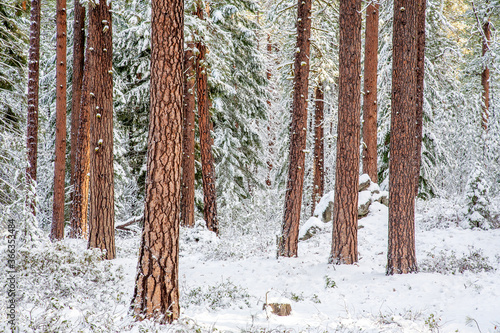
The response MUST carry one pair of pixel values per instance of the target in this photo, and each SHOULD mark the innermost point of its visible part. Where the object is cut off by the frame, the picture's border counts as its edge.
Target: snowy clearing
(228, 295)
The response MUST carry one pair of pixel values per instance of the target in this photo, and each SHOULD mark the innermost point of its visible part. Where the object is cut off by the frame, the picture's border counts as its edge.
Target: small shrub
(296, 297)
(219, 296)
(477, 200)
(315, 299)
(433, 323)
(444, 263)
(329, 283)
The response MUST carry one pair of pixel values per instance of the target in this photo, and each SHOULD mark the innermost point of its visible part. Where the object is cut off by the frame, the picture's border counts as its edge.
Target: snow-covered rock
(324, 208)
(310, 228)
(364, 182)
(369, 192)
(364, 202)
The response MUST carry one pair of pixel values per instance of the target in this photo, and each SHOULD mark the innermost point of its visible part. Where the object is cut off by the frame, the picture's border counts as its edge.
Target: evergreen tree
(156, 294)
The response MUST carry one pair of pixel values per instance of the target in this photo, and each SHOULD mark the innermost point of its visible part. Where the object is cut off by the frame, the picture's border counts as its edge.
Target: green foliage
(79, 288)
(220, 296)
(449, 263)
(296, 297)
(433, 323)
(329, 283)
(477, 200)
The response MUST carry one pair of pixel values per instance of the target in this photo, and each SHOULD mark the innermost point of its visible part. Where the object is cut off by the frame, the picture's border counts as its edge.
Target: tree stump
(280, 309)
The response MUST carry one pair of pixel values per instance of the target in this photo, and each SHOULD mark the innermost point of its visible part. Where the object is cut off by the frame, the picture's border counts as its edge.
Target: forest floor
(65, 288)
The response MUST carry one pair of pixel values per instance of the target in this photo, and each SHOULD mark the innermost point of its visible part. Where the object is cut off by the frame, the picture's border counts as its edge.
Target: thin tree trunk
(319, 176)
(156, 293)
(206, 141)
(188, 170)
(401, 252)
(345, 211)
(57, 230)
(102, 204)
(287, 246)
(269, 132)
(420, 89)
(485, 76)
(32, 117)
(370, 93)
(78, 61)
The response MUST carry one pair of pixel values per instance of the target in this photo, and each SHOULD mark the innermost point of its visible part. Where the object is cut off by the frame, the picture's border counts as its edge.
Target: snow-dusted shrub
(477, 200)
(220, 296)
(438, 213)
(445, 263)
(64, 287)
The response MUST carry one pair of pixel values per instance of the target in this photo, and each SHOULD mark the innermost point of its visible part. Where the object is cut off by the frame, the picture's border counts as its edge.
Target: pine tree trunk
(420, 89)
(345, 211)
(57, 230)
(318, 173)
(270, 134)
(370, 93)
(401, 252)
(206, 141)
(81, 186)
(32, 116)
(287, 246)
(188, 170)
(156, 294)
(78, 58)
(485, 76)
(102, 204)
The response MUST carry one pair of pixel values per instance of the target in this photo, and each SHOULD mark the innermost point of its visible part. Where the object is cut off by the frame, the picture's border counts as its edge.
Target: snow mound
(310, 228)
(197, 238)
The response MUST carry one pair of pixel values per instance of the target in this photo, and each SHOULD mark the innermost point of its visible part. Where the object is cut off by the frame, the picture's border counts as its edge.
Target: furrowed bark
(287, 245)
(401, 252)
(101, 204)
(156, 294)
(57, 229)
(370, 93)
(345, 211)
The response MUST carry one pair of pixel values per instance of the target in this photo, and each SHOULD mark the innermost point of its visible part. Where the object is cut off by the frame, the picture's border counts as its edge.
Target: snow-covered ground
(457, 289)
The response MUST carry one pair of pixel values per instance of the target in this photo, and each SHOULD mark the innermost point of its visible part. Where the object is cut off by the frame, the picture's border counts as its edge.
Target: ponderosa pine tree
(78, 62)
(156, 294)
(57, 230)
(81, 169)
(401, 253)
(318, 168)
(419, 115)
(370, 92)
(270, 144)
(33, 88)
(100, 89)
(287, 245)
(345, 211)
(206, 141)
(188, 129)
(485, 75)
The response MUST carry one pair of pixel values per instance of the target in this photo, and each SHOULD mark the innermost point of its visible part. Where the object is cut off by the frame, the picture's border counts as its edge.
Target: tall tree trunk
(345, 211)
(78, 61)
(57, 230)
(319, 175)
(370, 92)
(156, 293)
(420, 89)
(401, 252)
(269, 131)
(188, 170)
(287, 246)
(102, 203)
(206, 141)
(32, 117)
(485, 76)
